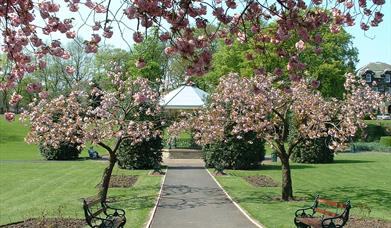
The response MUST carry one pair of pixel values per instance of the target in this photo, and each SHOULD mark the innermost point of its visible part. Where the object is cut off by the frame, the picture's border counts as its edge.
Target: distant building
(378, 76)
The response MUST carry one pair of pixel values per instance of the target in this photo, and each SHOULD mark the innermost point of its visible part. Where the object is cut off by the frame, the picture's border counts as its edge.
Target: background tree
(61, 76)
(327, 64)
(104, 61)
(151, 52)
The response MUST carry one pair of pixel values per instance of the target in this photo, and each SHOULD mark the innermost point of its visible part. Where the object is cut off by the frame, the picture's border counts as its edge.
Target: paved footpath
(191, 198)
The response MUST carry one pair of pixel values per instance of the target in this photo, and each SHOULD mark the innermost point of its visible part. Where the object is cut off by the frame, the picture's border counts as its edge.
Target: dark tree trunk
(104, 187)
(287, 190)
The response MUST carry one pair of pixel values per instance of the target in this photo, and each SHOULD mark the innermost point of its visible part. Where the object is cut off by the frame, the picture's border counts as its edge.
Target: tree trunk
(104, 187)
(287, 190)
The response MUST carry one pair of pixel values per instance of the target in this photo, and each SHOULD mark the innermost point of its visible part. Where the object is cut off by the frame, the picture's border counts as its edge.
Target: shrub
(235, 153)
(373, 132)
(144, 155)
(310, 150)
(313, 151)
(372, 146)
(66, 151)
(385, 140)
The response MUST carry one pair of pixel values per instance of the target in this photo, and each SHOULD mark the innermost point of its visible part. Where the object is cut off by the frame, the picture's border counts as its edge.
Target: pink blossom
(278, 72)
(70, 34)
(140, 63)
(300, 45)
(315, 84)
(73, 7)
(228, 41)
(97, 26)
(34, 88)
(130, 12)
(9, 116)
(335, 28)
(42, 64)
(138, 37)
(241, 37)
(107, 32)
(139, 98)
(15, 98)
(169, 50)
(96, 38)
(379, 2)
(164, 37)
(200, 23)
(70, 70)
(317, 2)
(43, 95)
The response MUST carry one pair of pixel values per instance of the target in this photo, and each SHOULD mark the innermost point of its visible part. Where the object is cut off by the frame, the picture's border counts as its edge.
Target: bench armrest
(116, 211)
(303, 212)
(328, 220)
(103, 221)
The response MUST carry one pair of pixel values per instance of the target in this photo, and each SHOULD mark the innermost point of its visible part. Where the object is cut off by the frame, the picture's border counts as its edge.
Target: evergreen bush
(313, 151)
(144, 155)
(369, 146)
(373, 132)
(245, 152)
(66, 151)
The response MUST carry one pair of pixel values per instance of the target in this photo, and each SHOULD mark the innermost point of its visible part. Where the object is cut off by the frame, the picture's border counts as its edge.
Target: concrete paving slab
(191, 199)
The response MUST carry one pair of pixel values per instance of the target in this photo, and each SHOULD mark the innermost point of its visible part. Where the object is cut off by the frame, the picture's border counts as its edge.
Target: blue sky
(377, 48)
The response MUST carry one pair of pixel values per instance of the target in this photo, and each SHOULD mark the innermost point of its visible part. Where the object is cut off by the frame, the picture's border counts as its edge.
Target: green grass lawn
(364, 178)
(54, 189)
(38, 188)
(13, 147)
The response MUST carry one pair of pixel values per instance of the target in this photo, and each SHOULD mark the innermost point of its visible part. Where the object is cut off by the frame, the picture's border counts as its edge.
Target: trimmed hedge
(371, 146)
(235, 153)
(373, 132)
(144, 155)
(66, 151)
(313, 151)
(385, 140)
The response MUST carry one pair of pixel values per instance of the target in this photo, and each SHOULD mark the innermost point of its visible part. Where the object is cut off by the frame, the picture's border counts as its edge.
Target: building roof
(378, 68)
(184, 97)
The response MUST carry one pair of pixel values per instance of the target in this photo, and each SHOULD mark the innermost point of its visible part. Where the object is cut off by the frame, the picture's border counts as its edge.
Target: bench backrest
(92, 208)
(344, 215)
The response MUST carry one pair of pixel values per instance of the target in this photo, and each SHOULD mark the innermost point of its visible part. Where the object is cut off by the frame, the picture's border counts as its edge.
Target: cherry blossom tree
(25, 24)
(263, 105)
(81, 118)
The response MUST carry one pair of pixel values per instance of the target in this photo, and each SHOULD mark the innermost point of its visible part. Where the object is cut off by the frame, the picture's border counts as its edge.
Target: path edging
(255, 222)
(153, 212)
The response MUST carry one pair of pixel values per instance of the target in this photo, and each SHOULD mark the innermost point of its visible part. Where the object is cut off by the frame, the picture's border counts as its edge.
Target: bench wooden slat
(325, 212)
(118, 221)
(313, 222)
(332, 203)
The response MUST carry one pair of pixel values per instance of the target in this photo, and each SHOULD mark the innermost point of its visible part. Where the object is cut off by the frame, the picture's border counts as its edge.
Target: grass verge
(55, 189)
(364, 178)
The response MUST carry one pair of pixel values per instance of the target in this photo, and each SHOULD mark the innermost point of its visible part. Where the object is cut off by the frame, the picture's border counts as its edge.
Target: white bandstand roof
(184, 97)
